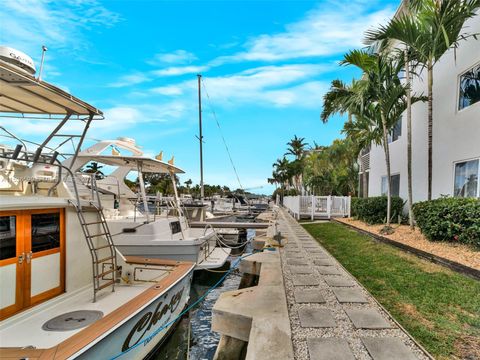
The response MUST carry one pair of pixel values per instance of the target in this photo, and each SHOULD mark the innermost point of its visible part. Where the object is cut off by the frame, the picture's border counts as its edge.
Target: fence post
(299, 206)
(329, 205)
(313, 207)
(349, 207)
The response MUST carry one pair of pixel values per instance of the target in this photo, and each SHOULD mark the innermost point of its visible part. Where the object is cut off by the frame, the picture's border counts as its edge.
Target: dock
(305, 306)
(230, 225)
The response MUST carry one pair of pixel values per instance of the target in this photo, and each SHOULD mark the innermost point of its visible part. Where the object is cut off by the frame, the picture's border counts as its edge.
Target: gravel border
(439, 260)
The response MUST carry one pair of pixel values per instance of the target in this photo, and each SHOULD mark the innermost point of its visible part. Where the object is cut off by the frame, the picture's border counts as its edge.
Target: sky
(265, 67)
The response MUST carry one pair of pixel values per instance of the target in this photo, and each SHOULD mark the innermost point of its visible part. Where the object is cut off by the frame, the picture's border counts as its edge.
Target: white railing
(318, 206)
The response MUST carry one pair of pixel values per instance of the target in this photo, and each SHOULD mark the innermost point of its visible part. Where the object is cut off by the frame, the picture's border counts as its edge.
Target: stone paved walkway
(332, 316)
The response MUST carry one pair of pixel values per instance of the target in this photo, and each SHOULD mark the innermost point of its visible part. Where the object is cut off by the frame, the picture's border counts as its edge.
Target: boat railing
(10, 135)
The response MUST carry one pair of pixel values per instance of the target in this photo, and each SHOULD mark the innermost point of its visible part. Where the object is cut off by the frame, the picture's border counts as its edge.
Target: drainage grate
(72, 320)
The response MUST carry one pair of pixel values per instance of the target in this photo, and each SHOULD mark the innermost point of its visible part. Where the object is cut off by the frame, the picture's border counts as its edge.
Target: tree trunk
(365, 184)
(430, 129)
(409, 141)
(387, 162)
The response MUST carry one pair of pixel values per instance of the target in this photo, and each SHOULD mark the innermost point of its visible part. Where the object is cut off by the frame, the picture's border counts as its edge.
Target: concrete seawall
(253, 321)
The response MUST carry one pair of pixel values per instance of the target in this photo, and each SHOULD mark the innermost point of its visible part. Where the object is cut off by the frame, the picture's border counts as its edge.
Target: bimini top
(147, 165)
(21, 92)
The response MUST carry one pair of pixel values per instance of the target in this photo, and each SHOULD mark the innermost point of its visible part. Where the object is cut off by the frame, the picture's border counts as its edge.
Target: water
(196, 327)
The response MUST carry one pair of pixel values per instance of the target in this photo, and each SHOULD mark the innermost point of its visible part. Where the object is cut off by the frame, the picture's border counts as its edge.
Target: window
(466, 179)
(396, 132)
(395, 185)
(469, 87)
(8, 237)
(45, 231)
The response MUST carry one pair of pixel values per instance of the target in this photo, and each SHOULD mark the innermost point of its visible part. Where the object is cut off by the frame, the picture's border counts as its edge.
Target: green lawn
(438, 307)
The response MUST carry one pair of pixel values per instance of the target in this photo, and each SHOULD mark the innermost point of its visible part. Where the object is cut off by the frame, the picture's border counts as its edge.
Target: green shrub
(449, 219)
(373, 210)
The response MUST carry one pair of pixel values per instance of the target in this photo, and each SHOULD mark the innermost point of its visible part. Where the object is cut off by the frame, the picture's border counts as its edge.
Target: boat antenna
(200, 137)
(44, 50)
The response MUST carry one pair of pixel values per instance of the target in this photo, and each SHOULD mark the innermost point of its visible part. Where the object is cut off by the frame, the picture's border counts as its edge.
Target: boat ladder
(98, 237)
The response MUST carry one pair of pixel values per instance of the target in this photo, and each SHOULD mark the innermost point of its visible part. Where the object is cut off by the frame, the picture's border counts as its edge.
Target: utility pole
(200, 138)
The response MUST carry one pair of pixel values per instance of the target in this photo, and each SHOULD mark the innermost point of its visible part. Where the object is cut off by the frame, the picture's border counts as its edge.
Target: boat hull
(140, 335)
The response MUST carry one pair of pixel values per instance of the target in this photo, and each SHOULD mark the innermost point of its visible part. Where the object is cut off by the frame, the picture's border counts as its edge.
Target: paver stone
(329, 349)
(316, 318)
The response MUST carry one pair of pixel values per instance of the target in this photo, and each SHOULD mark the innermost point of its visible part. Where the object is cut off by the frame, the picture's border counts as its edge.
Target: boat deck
(25, 328)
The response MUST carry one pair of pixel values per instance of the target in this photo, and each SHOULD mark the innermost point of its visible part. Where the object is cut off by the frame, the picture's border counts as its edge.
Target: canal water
(193, 335)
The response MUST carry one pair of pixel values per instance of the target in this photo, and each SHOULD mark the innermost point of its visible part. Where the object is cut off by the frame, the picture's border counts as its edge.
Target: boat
(65, 291)
(142, 225)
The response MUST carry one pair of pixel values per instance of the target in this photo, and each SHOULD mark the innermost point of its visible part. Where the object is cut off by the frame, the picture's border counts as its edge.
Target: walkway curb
(257, 315)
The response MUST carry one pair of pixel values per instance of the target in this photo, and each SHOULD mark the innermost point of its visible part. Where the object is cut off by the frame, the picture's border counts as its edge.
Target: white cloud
(134, 114)
(175, 57)
(168, 90)
(331, 28)
(143, 77)
(132, 79)
(180, 70)
(279, 86)
(28, 24)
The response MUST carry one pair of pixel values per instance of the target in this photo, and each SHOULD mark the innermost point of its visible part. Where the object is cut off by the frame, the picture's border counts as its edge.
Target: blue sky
(266, 66)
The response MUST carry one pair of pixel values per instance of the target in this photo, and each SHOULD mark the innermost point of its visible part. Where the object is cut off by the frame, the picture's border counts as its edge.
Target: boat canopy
(22, 93)
(144, 164)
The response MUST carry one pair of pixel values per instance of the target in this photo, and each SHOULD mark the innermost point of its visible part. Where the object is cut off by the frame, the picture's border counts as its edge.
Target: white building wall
(456, 134)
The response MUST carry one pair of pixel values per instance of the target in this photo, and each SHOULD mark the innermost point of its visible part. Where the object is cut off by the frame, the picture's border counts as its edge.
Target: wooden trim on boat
(80, 340)
(152, 261)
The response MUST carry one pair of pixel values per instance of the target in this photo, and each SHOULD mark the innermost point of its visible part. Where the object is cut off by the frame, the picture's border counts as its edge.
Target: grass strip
(438, 307)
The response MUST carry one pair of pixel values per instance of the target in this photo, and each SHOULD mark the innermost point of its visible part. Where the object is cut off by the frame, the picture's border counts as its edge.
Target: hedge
(449, 219)
(373, 210)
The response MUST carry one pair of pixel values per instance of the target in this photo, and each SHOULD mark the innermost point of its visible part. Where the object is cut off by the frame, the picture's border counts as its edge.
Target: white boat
(64, 291)
(136, 230)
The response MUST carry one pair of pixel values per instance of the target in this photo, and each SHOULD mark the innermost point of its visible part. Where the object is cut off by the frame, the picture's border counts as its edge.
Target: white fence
(316, 207)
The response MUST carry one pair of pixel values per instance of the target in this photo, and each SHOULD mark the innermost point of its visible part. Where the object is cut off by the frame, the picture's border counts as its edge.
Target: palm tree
(282, 172)
(340, 99)
(188, 183)
(376, 102)
(296, 147)
(434, 28)
(94, 168)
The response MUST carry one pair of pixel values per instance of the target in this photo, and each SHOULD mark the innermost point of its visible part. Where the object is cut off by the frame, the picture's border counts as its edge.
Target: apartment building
(456, 132)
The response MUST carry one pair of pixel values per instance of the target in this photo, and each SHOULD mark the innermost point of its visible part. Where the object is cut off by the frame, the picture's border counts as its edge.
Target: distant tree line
(162, 183)
(317, 170)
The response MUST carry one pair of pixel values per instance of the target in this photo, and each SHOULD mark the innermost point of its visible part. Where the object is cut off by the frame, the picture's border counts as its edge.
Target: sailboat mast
(200, 138)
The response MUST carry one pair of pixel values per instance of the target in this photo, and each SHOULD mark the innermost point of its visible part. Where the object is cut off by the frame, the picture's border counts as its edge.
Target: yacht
(65, 291)
(143, 225)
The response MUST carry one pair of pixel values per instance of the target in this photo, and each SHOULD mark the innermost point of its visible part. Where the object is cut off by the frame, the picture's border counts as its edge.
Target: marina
(143, 214)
